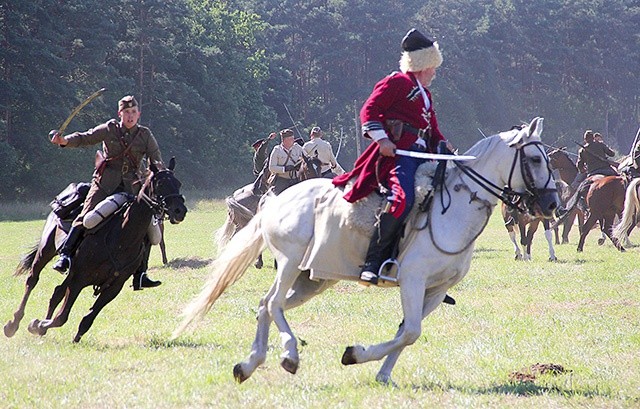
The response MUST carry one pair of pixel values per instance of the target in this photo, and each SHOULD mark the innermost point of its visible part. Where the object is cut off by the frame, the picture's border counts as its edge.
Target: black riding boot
(68, 248)
(380, 247)
(140, 281)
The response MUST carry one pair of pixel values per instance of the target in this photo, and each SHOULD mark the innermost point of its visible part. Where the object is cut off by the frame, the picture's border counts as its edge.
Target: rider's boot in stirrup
(141, 280)
(68, 248)
(380, 247)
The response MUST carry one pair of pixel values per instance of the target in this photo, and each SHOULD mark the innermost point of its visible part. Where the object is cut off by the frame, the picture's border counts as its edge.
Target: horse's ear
(172, 163)
(535, 127)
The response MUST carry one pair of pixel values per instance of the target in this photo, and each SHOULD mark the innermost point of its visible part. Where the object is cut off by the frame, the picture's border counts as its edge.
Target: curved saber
(434, 156)
(77, 109)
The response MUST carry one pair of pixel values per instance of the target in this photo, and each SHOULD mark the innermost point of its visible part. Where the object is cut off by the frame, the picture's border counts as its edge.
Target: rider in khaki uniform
(118, 168)
(283, 160)
(317, 146)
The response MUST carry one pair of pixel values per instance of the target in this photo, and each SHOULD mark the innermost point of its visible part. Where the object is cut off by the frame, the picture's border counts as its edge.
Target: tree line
(212, 75)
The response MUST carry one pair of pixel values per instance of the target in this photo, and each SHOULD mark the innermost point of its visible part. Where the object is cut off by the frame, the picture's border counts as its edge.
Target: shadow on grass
(518, 389)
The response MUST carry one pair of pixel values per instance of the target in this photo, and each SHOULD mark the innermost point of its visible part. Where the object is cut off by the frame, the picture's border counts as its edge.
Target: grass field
(581, 313)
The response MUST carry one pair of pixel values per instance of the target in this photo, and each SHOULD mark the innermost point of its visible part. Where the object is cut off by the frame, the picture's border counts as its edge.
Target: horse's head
(311, 167)
(166, 192)
(559, 159)
(530, 182)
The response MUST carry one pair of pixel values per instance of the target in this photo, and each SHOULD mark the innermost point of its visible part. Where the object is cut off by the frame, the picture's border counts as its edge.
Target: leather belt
(420, 133)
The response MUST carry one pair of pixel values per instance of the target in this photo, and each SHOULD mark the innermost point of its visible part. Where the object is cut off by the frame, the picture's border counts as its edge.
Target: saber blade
(77, 109)
(434, 156)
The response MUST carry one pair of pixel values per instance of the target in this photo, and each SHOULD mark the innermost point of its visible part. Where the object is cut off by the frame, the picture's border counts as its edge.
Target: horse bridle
(159, 204)
(520, 201)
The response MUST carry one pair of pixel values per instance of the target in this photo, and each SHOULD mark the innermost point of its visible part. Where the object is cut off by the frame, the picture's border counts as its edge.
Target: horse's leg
(607, 227)
(512, 236)
(549, 236)
(103, 299)
(42, 255)
(303, 290)
(243, 370)
(528, 241)
(38, 327)
(586, 228)
(163, 246)
(287, 275)
(259, 262)
(384, 374)
(412, 289)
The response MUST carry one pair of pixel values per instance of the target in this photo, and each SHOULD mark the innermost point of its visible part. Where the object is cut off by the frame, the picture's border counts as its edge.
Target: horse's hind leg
(104, 298)
(303, 290)
(38, 327)
(548, 234)
(243, 370)
(41, 257)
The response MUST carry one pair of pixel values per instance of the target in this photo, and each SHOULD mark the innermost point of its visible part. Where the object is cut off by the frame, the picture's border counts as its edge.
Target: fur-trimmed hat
(127, 102)
(419, 52)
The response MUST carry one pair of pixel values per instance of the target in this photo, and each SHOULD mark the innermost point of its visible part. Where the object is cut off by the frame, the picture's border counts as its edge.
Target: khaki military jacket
(280, 158)
(322, 149)
(119, 169)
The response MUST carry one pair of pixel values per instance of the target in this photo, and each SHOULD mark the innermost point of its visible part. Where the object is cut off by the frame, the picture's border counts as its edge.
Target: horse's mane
(485, 145)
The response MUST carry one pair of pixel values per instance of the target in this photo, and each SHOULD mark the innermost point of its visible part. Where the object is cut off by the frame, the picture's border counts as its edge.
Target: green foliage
(213, 76)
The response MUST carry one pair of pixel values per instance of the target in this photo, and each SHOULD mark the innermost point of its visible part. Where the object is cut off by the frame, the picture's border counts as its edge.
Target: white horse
(433, 257)
(629, 217)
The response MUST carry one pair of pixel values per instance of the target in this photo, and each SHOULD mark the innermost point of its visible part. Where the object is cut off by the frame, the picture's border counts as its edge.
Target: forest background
(213, 76)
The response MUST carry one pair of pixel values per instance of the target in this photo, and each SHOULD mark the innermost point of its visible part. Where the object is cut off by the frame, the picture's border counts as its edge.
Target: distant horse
(105, 259)
(243, 204)
(526, 225)
(629, 217)
(605, 200)
(567, 170)
(433, 256)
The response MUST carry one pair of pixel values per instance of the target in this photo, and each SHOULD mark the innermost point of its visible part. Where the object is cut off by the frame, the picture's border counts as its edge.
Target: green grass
(582, 312)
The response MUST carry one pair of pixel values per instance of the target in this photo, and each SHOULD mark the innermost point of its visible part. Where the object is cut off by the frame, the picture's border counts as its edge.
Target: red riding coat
(396, 96)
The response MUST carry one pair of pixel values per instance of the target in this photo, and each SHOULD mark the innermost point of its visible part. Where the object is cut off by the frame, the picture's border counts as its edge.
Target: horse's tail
(238, 216)
(631, 206)
(231, 264)
(26, 261)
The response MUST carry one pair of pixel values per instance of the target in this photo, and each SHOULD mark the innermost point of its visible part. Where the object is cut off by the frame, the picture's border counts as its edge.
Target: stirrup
(389, 262)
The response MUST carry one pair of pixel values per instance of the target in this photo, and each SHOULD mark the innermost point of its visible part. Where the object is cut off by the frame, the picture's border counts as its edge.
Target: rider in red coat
(398, 114)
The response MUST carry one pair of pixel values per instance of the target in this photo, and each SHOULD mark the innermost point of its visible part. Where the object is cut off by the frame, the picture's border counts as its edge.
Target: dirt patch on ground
(189, 262)
(531, 373)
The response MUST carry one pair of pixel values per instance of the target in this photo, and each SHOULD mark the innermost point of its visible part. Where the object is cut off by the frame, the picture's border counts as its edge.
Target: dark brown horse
(605, 200)
(561, 162)
(243, 204)
(105, 259)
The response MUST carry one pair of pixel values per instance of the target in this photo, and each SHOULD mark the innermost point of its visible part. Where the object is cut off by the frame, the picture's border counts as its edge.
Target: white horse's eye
(537, 160)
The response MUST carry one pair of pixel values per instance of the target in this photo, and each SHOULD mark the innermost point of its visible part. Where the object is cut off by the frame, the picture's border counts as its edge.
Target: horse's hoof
(579, 249)
(553, 259)
(290, 365)
(386, 380)
(35, 329)
(600, 241)
(258, 264)
(77, 339)
(238, 374)
(10, 329)
(622, 249)
(349, 356)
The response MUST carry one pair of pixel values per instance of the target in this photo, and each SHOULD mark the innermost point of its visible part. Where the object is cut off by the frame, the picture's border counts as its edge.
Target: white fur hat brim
(418, 60)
